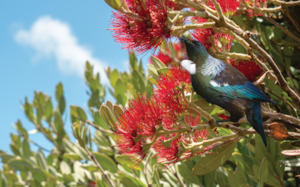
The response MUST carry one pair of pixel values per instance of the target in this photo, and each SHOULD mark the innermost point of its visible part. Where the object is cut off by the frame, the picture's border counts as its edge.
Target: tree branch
(285, 30)
(193, 26)
(286, 3)
(279, 117)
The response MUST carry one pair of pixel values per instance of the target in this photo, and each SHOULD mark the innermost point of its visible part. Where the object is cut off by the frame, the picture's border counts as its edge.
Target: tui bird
(222, 84)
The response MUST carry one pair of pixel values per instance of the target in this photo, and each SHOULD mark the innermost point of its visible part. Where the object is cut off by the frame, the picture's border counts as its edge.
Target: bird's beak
(184, 40)
(187, 42)
(190, 46)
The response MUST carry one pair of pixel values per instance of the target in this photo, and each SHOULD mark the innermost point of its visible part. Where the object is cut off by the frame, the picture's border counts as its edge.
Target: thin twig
(294, 135)
(177, 177)
(262, 78)
(92, 157)
(232, 55)
(201, 14)
(261, 10)
(219, 10)
(194, 26)
(40, 128)
(211, 141)
(263, 66)
(98, 127)
(39, 146)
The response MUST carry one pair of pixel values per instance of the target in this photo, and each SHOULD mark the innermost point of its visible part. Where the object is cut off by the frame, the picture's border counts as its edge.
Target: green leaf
(237, 178)
(79, 170)
(109, 105)
(104, 145)
(120, 88)
(72, 156)
(222, 176)
(20, 164)
(77, 113)
(106, 162)
(98, 119)
(10, 176)
(59, 125)
(118, 111)
(48, 110)
(5, 157)
(263, 171)
(238, 48)
(153, 71)
(132, 60)
(212, 161)
(187, 174)
(60, 98)
(128, 180)
(130, 161)
(152, 80)
(158, 64)
(39, 175)
(107, 116)
(28, 110)
(21, 129)
(26, 149)
(41, 160)
(64, 167)
(138, 82)
(113, 77)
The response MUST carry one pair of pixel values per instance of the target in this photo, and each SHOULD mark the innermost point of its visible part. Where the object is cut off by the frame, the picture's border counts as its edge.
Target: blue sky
(46, 42)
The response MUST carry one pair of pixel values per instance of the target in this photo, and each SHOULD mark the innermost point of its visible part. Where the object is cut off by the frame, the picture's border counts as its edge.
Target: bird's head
(195, 49)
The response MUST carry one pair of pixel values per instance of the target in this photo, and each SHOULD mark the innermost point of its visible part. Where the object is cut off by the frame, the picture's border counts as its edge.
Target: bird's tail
(254, 117)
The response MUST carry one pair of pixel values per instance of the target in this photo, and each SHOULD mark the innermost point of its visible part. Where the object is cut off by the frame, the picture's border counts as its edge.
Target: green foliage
(125, 85)
(245, 163)
(211, 162)
(93, 159)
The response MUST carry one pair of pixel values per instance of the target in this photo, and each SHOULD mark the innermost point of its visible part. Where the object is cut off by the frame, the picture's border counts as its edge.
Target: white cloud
(52, 37)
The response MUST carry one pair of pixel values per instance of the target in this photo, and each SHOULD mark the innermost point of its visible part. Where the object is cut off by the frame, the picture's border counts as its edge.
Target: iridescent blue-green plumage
(221, 84)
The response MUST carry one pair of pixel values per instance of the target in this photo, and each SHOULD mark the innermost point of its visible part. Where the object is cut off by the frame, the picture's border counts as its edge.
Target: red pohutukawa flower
(208, 36)
(228, 6)
(167, 153)
(255, 4)
(250, 69)
(144, 118)
(171, 151)
(169, 96)
(145, 27)
(141, 118)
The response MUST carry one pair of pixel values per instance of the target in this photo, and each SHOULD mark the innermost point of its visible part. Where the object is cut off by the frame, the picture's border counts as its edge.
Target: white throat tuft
(189, 65)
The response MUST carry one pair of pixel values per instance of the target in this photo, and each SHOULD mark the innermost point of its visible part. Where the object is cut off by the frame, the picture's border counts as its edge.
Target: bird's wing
(232, 83)
(245, 91)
